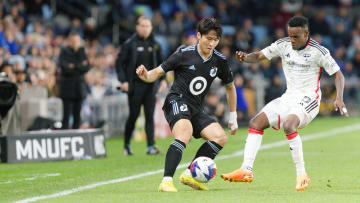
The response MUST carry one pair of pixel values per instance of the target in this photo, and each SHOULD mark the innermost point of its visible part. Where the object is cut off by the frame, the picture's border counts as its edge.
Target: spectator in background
(339, 57)
(318, 24)
(356, 63)
(222, 12)
(340, 37)
(275, 90)
(9, 105)
(241, 105)
(140, 49)
(351, 85)
(90, 31)
(215, 108)
(344, 18)
(234, 64)
(74, 64)
(280, 17)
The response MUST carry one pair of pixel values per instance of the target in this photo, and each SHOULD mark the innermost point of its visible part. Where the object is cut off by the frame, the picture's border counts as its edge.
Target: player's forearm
(339, 84)
(254, 57)
(151, 76)
(231, 97)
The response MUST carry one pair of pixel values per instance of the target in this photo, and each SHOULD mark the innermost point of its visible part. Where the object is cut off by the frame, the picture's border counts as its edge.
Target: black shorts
(176, 108)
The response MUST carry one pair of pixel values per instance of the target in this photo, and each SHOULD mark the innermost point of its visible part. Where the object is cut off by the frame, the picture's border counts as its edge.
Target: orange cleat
(238, 175)
(302, 182)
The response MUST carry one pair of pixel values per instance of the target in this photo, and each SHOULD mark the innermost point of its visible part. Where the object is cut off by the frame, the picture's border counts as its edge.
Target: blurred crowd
(32, 34)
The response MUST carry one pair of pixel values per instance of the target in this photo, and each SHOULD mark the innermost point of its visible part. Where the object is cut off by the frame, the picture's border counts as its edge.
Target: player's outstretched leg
(302, 179)
(216, 139)
(182, 132)
(295, 144)
(252, 146)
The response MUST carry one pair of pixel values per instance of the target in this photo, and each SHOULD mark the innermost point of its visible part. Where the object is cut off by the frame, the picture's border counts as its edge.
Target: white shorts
(306, 107)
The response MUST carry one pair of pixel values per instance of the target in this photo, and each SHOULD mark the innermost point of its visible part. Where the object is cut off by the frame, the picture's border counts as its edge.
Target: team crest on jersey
(213, 71)
(183, 107)
(287, 55)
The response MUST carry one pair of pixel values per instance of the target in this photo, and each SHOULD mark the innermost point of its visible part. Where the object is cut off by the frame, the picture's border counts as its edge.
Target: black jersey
(194, 75)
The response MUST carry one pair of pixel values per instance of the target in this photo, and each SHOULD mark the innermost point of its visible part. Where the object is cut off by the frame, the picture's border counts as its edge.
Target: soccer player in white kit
(302, 60)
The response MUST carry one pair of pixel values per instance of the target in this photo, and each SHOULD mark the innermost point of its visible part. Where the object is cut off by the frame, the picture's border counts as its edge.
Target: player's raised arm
(253, 57)
(339, 103)
(149, 76)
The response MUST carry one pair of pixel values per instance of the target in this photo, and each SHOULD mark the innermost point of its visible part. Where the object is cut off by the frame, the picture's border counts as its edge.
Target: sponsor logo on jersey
(287, 55)
(306, 55)
(197, 85)
(294, 63)
(213, 71)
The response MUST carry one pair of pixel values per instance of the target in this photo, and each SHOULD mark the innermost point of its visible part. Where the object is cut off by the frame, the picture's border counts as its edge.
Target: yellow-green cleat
(167, 186)
(190, 181)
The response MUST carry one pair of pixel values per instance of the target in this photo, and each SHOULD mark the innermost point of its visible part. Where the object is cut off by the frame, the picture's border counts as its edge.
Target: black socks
(173, 157)
(208, 149)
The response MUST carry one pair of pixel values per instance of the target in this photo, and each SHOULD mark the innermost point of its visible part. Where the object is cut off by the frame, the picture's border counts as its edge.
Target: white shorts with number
(306, 107)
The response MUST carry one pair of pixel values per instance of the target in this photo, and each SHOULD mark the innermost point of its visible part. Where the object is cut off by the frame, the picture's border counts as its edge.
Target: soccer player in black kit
(195, 69)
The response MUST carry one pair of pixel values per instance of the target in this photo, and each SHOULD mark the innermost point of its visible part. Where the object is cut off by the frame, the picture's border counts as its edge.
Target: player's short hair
(140, 18)
(73, 33)
(208, 24)
(299, 21)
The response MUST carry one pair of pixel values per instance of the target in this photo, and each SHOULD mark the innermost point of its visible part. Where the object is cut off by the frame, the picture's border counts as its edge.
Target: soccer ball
(203, 169)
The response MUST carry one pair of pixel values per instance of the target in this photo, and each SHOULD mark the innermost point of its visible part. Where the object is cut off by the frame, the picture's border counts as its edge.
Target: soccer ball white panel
(203, 169)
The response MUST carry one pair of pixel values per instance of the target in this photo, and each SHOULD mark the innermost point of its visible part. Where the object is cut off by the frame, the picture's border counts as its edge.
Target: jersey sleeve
(328, 63)
(172, 62)
(225, 73)
(272, 50)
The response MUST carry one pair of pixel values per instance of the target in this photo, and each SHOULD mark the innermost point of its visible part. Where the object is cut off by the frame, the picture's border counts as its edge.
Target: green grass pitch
(332, 162)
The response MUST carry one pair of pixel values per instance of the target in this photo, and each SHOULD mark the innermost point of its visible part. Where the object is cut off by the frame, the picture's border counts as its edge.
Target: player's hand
(124, 86)
(233, 126)
(142, 72)
(241, 56)
(339, 105)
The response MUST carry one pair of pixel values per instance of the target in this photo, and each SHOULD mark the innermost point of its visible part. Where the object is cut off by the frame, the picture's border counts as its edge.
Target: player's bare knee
(221, 139)
(289, 127)
(255, 124)
(183, 133)
(185, 138)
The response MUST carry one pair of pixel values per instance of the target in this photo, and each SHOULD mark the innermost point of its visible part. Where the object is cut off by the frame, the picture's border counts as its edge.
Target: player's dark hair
(299, 21)
(208, 24)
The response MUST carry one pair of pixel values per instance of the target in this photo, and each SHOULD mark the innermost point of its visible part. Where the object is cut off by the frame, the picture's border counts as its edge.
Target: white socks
(253, 143)
(297, 152)
(188, 172)
(252, 146)
(167, 178)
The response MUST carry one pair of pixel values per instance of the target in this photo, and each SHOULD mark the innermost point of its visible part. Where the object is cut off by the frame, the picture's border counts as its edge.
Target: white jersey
(302, 68)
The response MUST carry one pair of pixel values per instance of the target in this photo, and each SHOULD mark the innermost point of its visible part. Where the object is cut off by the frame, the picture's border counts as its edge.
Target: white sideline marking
(313, 136)
(32, 178)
